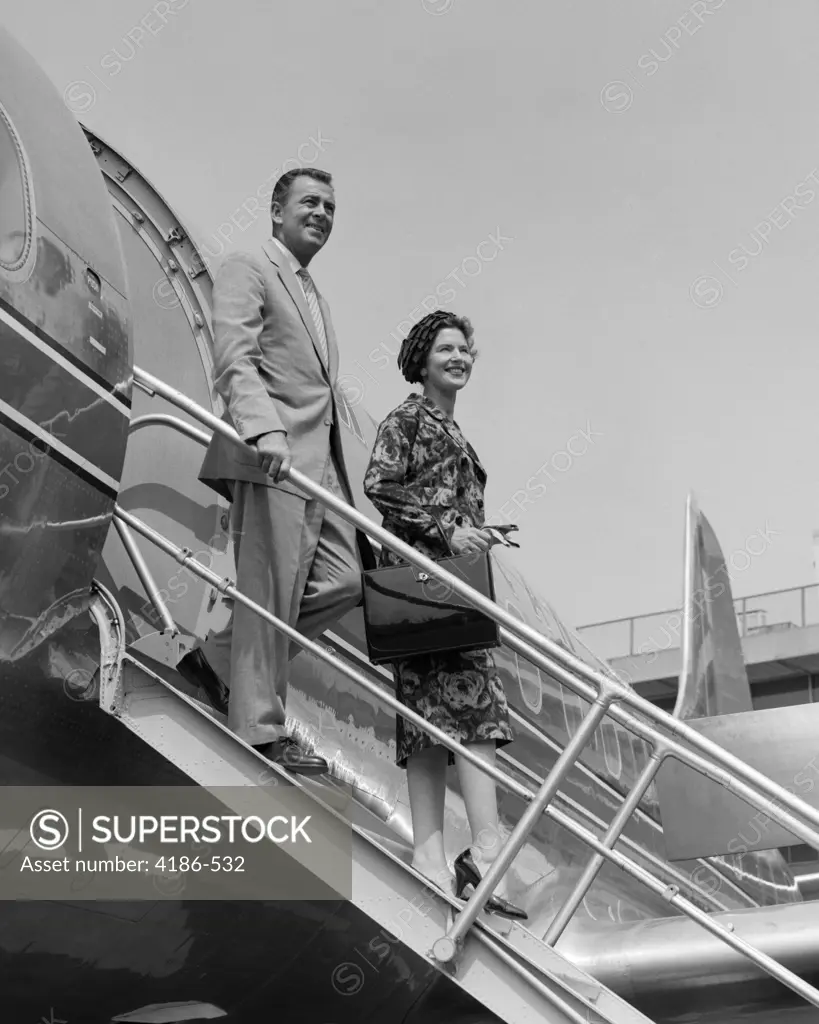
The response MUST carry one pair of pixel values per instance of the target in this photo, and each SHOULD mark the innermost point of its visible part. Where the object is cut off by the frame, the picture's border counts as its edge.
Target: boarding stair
(517, 975)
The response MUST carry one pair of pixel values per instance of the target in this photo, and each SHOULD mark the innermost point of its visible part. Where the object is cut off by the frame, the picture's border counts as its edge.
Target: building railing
(667, 737)
(774, 610)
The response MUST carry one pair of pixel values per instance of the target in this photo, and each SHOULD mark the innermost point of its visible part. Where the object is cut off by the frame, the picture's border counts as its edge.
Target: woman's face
(449, 363)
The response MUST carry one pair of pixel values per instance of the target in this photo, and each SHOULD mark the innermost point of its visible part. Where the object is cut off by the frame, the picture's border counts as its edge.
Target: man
(275, 365)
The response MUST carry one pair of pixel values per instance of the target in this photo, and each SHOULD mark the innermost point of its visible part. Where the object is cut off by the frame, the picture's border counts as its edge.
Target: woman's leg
(480, 797)
(426, 781)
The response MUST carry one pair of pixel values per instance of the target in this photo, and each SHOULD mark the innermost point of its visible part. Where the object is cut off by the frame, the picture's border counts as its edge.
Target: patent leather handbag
(408, 613)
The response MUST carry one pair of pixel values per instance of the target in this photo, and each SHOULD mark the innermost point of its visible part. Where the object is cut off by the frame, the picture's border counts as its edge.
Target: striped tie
(318, 319)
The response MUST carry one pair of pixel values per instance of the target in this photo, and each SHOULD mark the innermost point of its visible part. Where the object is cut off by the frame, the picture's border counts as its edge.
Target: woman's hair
(416, 346)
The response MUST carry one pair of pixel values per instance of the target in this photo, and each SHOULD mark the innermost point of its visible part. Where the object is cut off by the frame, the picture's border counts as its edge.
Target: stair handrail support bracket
(107, 615)
(609, 840)
(146, 578)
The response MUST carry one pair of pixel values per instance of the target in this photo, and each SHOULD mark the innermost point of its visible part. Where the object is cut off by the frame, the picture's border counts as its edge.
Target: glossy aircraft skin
(257, 960)
(65, 359)
(90, 962)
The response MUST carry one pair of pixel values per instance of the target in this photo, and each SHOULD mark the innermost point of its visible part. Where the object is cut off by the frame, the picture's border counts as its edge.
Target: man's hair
(281, 191)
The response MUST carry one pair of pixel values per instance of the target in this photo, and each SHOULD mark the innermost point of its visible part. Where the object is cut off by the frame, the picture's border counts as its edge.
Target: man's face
(304, 221)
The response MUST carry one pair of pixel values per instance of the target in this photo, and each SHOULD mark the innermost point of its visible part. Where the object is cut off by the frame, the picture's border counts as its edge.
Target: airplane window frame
(21, 268)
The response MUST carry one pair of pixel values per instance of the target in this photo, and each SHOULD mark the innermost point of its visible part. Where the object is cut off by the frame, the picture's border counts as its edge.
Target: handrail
(203, 438)
(163, 419)
(611, 687)
(587, 682)
(669, 892)
(642, 853)
(719, 869)
(602, 690)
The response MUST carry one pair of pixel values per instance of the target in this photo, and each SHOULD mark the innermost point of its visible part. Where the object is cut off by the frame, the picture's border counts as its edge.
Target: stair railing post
(615, 830)
(144, 573)
(445, 948)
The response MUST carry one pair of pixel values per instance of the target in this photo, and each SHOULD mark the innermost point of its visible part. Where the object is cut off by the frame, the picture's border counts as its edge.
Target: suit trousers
(299, 561)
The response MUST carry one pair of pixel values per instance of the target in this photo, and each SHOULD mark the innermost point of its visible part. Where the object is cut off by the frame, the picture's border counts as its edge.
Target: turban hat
(415, 348)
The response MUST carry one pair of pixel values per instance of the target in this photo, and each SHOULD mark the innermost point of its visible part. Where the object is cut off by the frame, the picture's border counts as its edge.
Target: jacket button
(328, 423)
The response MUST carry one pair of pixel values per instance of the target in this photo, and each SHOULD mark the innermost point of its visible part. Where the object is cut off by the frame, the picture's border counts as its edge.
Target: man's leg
(333, 585)
(275, 536)
(276, 528)
(216, 648)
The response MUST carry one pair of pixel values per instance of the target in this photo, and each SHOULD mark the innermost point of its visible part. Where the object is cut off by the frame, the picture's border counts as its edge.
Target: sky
(622, 197)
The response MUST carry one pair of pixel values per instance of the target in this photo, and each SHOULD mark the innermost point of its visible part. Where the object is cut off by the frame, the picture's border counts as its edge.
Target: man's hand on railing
(274, 454)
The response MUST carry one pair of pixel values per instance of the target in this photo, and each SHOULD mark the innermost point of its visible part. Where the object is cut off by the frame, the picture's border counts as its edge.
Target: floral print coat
(426, 480)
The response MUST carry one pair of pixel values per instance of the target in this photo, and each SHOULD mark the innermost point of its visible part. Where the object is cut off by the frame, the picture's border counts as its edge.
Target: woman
(428, 483)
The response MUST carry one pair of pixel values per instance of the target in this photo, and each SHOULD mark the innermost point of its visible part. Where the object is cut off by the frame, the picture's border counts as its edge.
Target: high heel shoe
(467, 874)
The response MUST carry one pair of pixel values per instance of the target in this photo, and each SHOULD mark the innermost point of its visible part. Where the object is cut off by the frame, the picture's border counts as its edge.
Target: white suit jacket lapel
(296, 293)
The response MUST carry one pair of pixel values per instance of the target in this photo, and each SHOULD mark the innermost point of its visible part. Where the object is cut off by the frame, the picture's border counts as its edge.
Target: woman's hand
(466, 540)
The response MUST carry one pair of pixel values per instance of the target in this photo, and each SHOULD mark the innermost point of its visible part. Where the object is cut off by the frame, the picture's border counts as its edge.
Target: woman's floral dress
(425, 479)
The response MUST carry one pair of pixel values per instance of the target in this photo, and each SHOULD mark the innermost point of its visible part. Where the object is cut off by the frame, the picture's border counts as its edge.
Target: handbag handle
(369, 560)
(365, 552)
(449, 552)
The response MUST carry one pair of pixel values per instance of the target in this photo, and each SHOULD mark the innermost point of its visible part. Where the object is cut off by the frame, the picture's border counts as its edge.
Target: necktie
(318, 319)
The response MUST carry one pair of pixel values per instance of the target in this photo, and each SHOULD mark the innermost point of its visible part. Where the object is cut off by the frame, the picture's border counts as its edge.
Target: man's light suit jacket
(269, 369)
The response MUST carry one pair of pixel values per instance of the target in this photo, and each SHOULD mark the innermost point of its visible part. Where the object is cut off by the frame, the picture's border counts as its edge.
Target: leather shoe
(287, 753)
(195, 669)
(467, 875)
